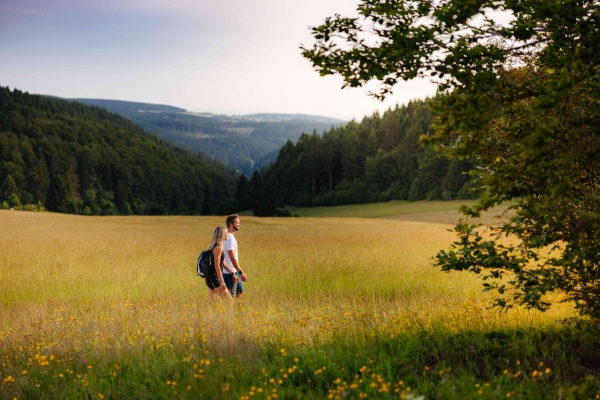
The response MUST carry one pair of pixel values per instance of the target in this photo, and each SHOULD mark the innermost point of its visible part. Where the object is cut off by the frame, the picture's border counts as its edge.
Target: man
(233, 281)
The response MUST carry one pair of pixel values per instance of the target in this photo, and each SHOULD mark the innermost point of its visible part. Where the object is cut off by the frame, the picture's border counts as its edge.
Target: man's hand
(235, 278)
(244, 277)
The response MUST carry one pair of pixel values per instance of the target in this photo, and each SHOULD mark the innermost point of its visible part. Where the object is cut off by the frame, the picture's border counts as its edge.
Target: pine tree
(57, 195)
(40, 180)
(269, 198)
(11, 192)
(255, 192)
(242, 192)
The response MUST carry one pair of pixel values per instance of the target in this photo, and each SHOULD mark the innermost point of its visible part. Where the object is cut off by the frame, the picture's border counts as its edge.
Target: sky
(219, 56)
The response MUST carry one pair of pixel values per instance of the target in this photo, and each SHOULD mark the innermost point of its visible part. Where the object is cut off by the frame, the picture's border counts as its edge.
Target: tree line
(376, 160)
(73, 158)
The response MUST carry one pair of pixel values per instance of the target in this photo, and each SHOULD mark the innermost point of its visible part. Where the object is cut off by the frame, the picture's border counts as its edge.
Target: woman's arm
(217, 256)
(223, 288)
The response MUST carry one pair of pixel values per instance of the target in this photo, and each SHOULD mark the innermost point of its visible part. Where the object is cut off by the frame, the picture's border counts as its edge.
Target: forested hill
(242, 142)
(75, 158)
(378, 159)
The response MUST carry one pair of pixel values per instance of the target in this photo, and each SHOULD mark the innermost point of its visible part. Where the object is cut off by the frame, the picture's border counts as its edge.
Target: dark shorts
(230, 284)
(212, 281)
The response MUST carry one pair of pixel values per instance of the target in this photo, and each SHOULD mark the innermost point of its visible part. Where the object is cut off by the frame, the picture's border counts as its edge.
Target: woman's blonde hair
(218, 237)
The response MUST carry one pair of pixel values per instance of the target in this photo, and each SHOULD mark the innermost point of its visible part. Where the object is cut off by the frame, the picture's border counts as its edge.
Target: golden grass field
(84, 294)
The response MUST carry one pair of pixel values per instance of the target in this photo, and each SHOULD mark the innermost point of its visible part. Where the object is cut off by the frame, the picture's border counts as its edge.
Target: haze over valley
(243, 142)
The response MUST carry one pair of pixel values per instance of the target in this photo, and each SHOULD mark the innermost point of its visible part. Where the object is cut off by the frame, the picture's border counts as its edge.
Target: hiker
(214, 279)
(233, 280)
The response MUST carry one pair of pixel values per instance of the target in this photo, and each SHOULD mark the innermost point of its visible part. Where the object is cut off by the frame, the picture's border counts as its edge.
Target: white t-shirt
(231, 244)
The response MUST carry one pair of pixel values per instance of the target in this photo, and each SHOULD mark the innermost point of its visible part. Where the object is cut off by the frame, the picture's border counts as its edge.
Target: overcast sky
(220, 56)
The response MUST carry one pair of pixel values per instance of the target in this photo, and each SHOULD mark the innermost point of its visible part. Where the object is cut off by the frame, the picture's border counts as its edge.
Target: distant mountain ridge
(244, 142)
(290, 117)
(129, 106)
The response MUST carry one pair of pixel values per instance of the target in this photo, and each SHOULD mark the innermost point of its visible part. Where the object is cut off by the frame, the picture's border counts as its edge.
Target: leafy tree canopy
(523, 99)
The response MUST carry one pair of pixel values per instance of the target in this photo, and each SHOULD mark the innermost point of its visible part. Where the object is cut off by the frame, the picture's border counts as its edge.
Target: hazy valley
(243, 142)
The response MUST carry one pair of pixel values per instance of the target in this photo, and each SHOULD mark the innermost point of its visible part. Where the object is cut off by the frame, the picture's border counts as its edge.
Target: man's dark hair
(230, 219)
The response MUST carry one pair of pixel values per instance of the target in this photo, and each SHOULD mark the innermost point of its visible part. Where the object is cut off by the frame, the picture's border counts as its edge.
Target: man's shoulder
(230, 241)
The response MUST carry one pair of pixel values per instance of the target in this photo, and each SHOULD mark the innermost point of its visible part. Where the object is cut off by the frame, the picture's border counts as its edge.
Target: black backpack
(203, 264)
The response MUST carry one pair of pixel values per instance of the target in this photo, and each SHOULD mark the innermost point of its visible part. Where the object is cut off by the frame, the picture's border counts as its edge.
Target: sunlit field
(110, 308)
(438, 212)
(378, 210)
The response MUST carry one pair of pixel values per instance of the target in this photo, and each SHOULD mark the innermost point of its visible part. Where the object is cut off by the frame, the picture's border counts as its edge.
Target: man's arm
(236, 265)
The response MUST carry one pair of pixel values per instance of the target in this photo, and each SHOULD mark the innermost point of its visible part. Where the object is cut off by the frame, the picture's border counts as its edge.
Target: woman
(214, 280)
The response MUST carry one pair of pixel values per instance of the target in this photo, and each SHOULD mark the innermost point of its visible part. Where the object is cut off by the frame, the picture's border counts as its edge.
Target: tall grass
(110, 307)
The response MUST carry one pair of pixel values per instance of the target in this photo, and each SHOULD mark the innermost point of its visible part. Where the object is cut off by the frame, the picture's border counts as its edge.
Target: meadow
(394, 208)
(437, 212)
(110, 308)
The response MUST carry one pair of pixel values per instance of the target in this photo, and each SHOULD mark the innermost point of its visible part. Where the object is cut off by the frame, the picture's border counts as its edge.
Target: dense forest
(378, 159)
(70, 157)
(244, 142)
(74, 158)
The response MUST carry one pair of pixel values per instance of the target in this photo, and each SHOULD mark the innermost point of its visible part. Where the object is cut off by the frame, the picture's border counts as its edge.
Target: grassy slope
(377, 210)
(444, 212)
(96, 307)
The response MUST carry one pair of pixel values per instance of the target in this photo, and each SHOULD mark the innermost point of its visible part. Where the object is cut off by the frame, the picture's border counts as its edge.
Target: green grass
(481, 364)
(436, 212)
(379, 210)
